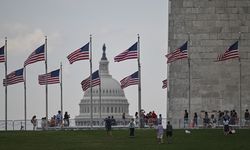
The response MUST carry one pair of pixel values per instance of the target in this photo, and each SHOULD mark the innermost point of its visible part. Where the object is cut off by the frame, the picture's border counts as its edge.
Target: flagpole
(25, 95)
(91, 94)
(100, 104)
(46, 82)
(61, 88)
(240, 84)
(6, 91)
(240, 93)
(139, 75)
(167, 101)
(189, 79)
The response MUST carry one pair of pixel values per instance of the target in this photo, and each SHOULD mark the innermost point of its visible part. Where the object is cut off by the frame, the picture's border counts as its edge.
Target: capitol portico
(111, 101)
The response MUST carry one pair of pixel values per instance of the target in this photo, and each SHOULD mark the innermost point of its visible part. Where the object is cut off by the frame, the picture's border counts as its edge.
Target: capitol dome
(111, 101)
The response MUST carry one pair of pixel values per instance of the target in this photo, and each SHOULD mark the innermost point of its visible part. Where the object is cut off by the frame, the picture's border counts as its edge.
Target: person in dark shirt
(185, 119)
(108, 125)
(66, 119)
(169, 132)
(195, 120)
(247, 117)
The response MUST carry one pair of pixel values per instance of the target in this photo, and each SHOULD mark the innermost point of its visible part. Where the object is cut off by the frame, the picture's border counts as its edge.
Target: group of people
(59, 120)
(150, 119)
(108, 124)
(56, 120)
(214, 119)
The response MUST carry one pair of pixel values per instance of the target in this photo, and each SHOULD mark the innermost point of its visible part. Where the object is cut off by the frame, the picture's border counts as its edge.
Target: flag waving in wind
(2, 57)
(79, 54)
(52, 77)
(165, 84)
(230, 53)
(37, 55)
(133, 79)
(131, 53)
(95, 81)
(14, 77)
(179, 53)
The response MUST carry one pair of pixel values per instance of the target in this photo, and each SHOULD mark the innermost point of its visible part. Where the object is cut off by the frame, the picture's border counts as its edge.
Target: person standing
(159, 120)
(59, 118)
(136, 118)
(226, 126)
(108, 125)
(195, 120)
(226, 120)
(185, 119)
(34, 122)
(247, 117)
(160, 132)
(169, 132)
(132, 128)
(66, 119)
(124, 119)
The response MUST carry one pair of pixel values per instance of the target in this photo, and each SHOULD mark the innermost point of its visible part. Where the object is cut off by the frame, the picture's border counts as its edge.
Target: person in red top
(154, 117)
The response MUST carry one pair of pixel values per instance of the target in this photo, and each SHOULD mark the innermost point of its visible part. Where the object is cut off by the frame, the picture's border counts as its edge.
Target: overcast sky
(68, 24)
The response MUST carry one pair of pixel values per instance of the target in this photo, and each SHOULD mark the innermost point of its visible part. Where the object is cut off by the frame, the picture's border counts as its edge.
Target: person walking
(160, 132)
(169, 132)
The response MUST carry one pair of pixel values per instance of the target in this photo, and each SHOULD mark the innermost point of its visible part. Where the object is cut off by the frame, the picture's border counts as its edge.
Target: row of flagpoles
(55, 77)
(182, 53)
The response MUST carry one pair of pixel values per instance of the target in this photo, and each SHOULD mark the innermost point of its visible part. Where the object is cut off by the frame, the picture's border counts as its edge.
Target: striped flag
(37, 55)
(95, 81)
(230, 53)
(2, 57)
(52, 77)
(165, 84)
(14, 77)
(79, 54)
(133, 79)
(179, 53)
(131, 53)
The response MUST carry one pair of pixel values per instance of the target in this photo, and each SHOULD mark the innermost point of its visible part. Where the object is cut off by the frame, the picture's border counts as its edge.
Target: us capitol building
(113, 101)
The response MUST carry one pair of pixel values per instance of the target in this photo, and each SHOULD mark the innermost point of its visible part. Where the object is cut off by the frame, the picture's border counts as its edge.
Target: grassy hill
(202, 139)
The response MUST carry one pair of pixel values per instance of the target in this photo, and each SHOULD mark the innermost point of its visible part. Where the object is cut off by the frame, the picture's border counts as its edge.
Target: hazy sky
(68, 24)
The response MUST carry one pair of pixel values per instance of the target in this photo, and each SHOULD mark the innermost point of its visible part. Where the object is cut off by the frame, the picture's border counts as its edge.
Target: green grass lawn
(203, 139)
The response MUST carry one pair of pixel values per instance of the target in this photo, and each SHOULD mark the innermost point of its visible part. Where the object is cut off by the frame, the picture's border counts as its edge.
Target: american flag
(133, 79)
(52, 77)
(2, 58)
(131, 53)
(230, 53)
(165, 84)
(95, 81)
(37, 55)
(79, 54)
(14, 77)
(179, 53)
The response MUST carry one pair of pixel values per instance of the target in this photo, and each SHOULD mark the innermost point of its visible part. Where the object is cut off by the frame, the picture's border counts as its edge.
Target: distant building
(210, 27)
(113, 101)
